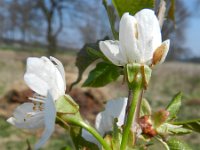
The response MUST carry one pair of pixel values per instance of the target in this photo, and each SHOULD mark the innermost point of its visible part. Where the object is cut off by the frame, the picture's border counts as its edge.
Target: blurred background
(61, 28)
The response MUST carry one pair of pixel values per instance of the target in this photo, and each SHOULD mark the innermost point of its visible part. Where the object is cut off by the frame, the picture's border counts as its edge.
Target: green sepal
(170, 129)
(133, 72)
(138, 75)
(103, 74)
(68, 116)
(66, 105)
(174, 106)
(67, 108)
(146, 75)
(175, 144)
(193, 125)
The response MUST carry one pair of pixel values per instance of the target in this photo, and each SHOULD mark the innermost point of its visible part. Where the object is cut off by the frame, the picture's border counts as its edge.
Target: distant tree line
(48, 21)
(70, 22)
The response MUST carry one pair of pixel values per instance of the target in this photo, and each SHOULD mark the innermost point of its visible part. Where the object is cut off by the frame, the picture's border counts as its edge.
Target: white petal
(38, 73)
(56, 82)
(89, 137)
(37, 84)
(112, 51)
(25, 117)
(49, 120)
(128, 35)
(114, 109)
(11, 120)
(42, 75)
(149, 34)
(60, 68)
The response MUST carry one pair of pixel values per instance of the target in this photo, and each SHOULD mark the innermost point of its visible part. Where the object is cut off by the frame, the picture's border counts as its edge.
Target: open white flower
(104, 121)
(46, 77)
(114, 109)
(139, 41)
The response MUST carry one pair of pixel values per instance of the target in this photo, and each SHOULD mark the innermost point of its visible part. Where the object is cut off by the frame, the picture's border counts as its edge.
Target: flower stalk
(82, 124)
(136, 94)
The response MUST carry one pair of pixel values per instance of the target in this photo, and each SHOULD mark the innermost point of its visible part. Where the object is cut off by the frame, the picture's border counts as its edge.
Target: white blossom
(104, 121)
(139, 41)
(46, 78)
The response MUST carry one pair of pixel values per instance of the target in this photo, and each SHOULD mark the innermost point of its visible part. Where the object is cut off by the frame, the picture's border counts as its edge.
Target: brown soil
(90, 101)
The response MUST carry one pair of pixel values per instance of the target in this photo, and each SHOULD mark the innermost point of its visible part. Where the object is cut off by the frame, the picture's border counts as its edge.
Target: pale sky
(192, 32)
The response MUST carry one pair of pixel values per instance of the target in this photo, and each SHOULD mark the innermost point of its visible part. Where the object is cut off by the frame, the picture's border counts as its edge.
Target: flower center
(38, 102)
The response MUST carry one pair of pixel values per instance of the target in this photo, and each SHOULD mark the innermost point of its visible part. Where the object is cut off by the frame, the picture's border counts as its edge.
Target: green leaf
(95, 53)
(175, 144)
(132, 6)
(174, 106)
(145, 108)
(170, 129)
(103, 74)
(193, 125)
(85, 57)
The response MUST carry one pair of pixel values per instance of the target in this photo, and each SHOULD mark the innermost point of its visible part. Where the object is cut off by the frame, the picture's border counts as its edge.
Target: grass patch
(5, 128)
(35, 49)
(11, 138)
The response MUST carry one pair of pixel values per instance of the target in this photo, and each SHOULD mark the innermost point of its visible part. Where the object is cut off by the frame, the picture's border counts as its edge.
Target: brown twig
(138, 107)
(161, 13)
(130, 98)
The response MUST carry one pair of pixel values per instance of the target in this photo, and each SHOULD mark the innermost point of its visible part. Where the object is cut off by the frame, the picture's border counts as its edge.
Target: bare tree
(23, 16)
(174, 30)
(89, 19)
(52, 9)
(20, 19)
(53, 21)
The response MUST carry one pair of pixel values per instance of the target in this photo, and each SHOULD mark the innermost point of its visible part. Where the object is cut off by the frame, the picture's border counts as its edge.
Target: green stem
(130, 117)
(90, 129)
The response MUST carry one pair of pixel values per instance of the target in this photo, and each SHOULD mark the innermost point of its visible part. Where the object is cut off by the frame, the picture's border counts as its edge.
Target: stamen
(28, 115)
(34, 108)
(36, 100)
(40, 107)
(39, 96)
